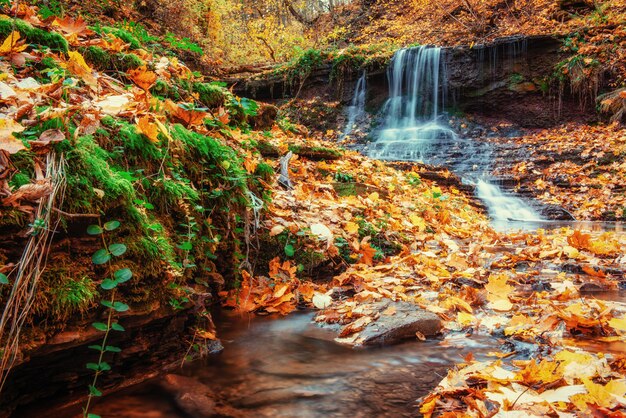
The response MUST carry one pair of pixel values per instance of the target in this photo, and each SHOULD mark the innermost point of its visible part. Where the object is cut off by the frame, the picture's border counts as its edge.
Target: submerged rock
(192, 396)
(397, 321)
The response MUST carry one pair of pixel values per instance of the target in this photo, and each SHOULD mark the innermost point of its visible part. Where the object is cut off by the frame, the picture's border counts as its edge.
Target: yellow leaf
(148, 128)
(498, 293)
(465, 319)
(10, 44)
(77, 64)
(618, 324)
(418, 221)
(351, 227)
(8, 142)
(602, 396)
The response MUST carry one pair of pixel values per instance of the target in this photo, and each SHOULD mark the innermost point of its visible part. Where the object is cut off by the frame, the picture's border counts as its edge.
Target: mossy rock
(210, 95)
(32, 35)
(316, 153)
(105, 61)
(268, 150)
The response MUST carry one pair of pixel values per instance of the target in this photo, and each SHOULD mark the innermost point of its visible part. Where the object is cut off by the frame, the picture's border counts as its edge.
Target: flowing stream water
(414, 129)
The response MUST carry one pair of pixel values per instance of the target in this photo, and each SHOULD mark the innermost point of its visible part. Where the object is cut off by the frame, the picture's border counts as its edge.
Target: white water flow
(356, 110)
(413, 131)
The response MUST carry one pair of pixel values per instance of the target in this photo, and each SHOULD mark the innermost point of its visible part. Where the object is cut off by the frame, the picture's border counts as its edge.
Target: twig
(76, 215)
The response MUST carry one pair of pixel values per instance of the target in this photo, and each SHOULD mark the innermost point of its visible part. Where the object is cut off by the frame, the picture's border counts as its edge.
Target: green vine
(100, 257)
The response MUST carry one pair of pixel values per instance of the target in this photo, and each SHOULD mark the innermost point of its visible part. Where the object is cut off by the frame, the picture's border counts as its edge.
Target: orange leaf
(367, 254)
(143, 78)
(188, 117)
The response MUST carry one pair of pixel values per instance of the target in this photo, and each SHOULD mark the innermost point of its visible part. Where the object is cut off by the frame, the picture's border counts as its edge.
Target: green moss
(19, 179)
(163, 89)
(105, 61)
(89, 169)
(167, 192)
(264, 171)
(210, 95)
(32, 35)
(316, 153)
(69, 295)
(136, 148)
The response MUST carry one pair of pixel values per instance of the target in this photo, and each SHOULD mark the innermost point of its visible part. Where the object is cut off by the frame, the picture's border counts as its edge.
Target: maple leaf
(149, 129)
(73, 26)
(498, 293)
(606, 396)
(367, 253)
(188, 117)
(142, 77)
(579, 240)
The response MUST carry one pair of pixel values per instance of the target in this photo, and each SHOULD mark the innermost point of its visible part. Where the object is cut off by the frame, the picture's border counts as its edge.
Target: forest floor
(383, 233)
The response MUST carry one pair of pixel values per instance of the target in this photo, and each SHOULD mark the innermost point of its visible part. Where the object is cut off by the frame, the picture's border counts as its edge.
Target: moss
(125, 62)
(104, 60)
(70, 295)
(210, 95)
(167, 192)
(264, 171)
(88, 170)
(19, 179)
(33, 35)
(136, 148)
(316, 153)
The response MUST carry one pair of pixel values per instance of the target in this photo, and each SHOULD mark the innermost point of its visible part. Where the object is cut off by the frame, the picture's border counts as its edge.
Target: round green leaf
(100, 326)
(95, 392)
(120, 307)
(117, 327)
(289, 250)
(107, 303)
(94, 230)
(4, 279)
(112, 225)
(101, 256)
(117, 249)
(108, 284)
(123, 275)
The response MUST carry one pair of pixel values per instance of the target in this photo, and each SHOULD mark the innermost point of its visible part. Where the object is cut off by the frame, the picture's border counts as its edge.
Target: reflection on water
(291, 368)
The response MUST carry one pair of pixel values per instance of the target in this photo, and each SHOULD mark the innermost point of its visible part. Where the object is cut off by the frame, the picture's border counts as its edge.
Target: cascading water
(412, 112)
(356, 110)
(413, 131)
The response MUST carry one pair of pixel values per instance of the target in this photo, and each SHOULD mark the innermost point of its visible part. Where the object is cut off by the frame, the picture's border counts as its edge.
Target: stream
(290, 367)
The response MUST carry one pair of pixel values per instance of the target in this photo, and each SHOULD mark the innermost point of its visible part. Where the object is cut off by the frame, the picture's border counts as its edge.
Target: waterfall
(413, 131)
(356, 110)
(414, 106)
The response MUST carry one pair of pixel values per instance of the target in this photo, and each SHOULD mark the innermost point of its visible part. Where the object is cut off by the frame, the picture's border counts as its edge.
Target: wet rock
(557, 213)
(278, 396)
(192, 396)
(406, 321)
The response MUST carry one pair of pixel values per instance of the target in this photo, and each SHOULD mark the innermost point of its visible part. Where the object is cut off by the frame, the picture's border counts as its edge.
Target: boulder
(191, 395)
(397, 321)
